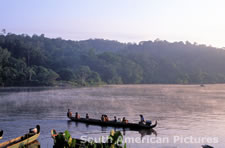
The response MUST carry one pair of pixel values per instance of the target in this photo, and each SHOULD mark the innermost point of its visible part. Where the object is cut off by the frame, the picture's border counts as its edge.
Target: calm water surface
(187, 111)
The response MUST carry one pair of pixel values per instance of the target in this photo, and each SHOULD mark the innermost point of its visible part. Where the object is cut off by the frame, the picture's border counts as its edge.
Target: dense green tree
(85, 76)
(30, 73)
(37, 60)
(131, 72)
(9, 75)
(93, 78)
(66, 74)
(4, 56)
(45, 76)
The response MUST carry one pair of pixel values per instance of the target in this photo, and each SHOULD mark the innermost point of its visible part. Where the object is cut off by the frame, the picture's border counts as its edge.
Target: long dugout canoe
(114, 124)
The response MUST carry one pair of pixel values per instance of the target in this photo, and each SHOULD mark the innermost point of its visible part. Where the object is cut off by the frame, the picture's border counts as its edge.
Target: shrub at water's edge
(65, 140)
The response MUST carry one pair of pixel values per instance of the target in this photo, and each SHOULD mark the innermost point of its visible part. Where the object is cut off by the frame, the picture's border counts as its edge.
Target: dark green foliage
(4, 56)
(64, 140)
(84, 76)
(38, 60)
(66, 74)
(44, 75)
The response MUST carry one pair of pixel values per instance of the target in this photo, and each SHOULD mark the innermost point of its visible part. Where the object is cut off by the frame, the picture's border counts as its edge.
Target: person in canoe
(34, 130)
(104, 118)
(77, 116)
(87, 116)
(115, 119)
(69, 113)
(147, 122)
(125, 120)
(142, 119)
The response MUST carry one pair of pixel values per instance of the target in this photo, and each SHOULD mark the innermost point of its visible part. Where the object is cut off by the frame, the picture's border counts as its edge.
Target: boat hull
(22, 140)
(133, 126)
(1, 133)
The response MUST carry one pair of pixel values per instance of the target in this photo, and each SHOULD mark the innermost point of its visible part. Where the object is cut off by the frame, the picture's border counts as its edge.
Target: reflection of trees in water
(26, 89)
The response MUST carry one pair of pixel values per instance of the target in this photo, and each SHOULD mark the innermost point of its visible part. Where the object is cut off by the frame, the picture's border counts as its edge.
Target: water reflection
(185, 110)
(142, 132)
(147, 132)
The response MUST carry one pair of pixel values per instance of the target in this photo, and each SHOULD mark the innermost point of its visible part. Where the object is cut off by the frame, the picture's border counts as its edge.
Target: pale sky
(201, 21)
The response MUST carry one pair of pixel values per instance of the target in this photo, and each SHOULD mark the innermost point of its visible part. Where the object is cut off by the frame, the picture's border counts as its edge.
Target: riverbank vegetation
(40, 61)
(64, 140)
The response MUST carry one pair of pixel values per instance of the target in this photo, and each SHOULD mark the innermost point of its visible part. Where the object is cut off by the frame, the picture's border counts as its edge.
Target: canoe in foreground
(22, 140)
(35, 144)
(1, 133)
(134, 126)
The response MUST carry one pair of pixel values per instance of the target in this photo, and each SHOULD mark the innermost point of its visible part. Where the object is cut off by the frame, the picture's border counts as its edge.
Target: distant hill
(37, 60)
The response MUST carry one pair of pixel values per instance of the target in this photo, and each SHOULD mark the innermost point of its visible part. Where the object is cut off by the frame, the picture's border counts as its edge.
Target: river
(188, 115)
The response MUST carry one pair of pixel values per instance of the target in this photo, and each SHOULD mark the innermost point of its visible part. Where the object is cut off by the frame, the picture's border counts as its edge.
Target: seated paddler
(69, 113)
(125, 120)
(87, 116)
(104, 118)
(147, 122)
(142, 119)
(34, 130)
(115, 119)
(77, 116)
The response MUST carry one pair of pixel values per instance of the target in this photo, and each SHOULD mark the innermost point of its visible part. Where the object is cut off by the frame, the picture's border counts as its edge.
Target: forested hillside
(37, 60)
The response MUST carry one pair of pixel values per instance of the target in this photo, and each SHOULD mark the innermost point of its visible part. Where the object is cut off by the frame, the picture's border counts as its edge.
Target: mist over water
(181, 110)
